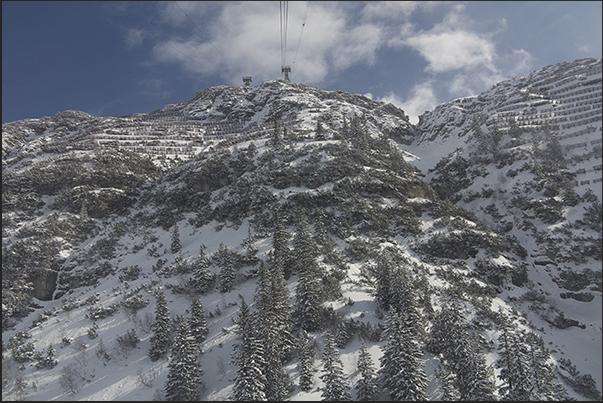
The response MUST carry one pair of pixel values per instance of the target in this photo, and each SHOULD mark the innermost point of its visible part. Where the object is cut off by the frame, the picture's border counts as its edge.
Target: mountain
(469, 238)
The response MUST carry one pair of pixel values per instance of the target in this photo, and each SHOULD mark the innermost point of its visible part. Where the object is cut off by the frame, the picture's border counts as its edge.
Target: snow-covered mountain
(491, 205)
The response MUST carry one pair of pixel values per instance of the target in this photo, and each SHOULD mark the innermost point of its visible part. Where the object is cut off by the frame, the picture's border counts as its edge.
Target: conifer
(306, 361)
(184, 375)
(198, 321)
(274, 325)
(308, 292)
(248, 355)
(450, 338)
(225, 261)
(175, 246)
(335, 386)
(512, 362)
(543, 378)
(202, 278)
(447, 380)
(366, 388)
(280, 246)
(161, 328)
(250, 249)
(401, 372)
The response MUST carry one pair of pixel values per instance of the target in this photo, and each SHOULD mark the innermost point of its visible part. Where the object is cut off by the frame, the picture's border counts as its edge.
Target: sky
(120, 58)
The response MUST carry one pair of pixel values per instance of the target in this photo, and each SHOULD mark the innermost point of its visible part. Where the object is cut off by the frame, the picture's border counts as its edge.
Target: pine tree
(306, 361)
(366, 388)
(250, 249)
(512, 362)
(202, 279)
(274, 325)
(161, 327)
(308, 302)
(224, 259)
(273, 312)
(248, 355)
(542, 374)
(184, 376)
(451, 339)
(335, 386)
(474, 377)
(447, 380)
(278, 383)
(383, 287)
(198, 321)
(308, 292)
(342, 334)
(401, 372)
(305, 251)
(447, 329)
(280, 246)
(49, 361)
(175, 246)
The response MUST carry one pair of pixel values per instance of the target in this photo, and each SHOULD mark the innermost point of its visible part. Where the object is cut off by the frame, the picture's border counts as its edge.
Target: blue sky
(119, 58)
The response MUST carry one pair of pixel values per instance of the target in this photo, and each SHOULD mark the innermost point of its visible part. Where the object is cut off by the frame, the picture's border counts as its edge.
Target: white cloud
(451, 44)
(234, 39)
(134, 37)
(394, 9)
(452, 50)
(422, 98)
(244, 39)
(462, 57)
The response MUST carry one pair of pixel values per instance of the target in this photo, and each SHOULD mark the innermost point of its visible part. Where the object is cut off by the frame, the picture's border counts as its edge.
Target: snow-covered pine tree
(48, 361)
(475, 379)
(542, 373)
(305, 251)
(274, 334)
(447, 380)
(273, 309)
(512, 363)
(367, 388)
(248, 356)
(198, 321)
(184, 369)
(305, 365)
(404, 301)
(161, 328)
(401, 372)
(450, 338)
(278, 383)
(202, 279)
(224, 259)
(175, 246)
(448, 327)
(308, 296)
(282, 313)
(335, 387)
(84, 217)
(342, 334)
(382, 272)
(280, 246)
(250, 249)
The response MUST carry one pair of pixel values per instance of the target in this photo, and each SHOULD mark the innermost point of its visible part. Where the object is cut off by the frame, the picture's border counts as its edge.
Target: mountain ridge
(492, 220)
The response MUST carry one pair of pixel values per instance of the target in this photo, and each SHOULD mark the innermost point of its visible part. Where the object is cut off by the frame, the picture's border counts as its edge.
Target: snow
(135, 377)
(120, 378)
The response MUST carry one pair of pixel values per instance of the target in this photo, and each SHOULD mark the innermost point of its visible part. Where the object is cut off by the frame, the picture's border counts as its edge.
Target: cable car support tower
(284, 20)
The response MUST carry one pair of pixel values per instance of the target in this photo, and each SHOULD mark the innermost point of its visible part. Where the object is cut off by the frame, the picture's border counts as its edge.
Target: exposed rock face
(44, 283)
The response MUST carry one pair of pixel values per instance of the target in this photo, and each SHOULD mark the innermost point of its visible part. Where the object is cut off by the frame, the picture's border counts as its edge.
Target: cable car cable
(203, 36)
(302, 31)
